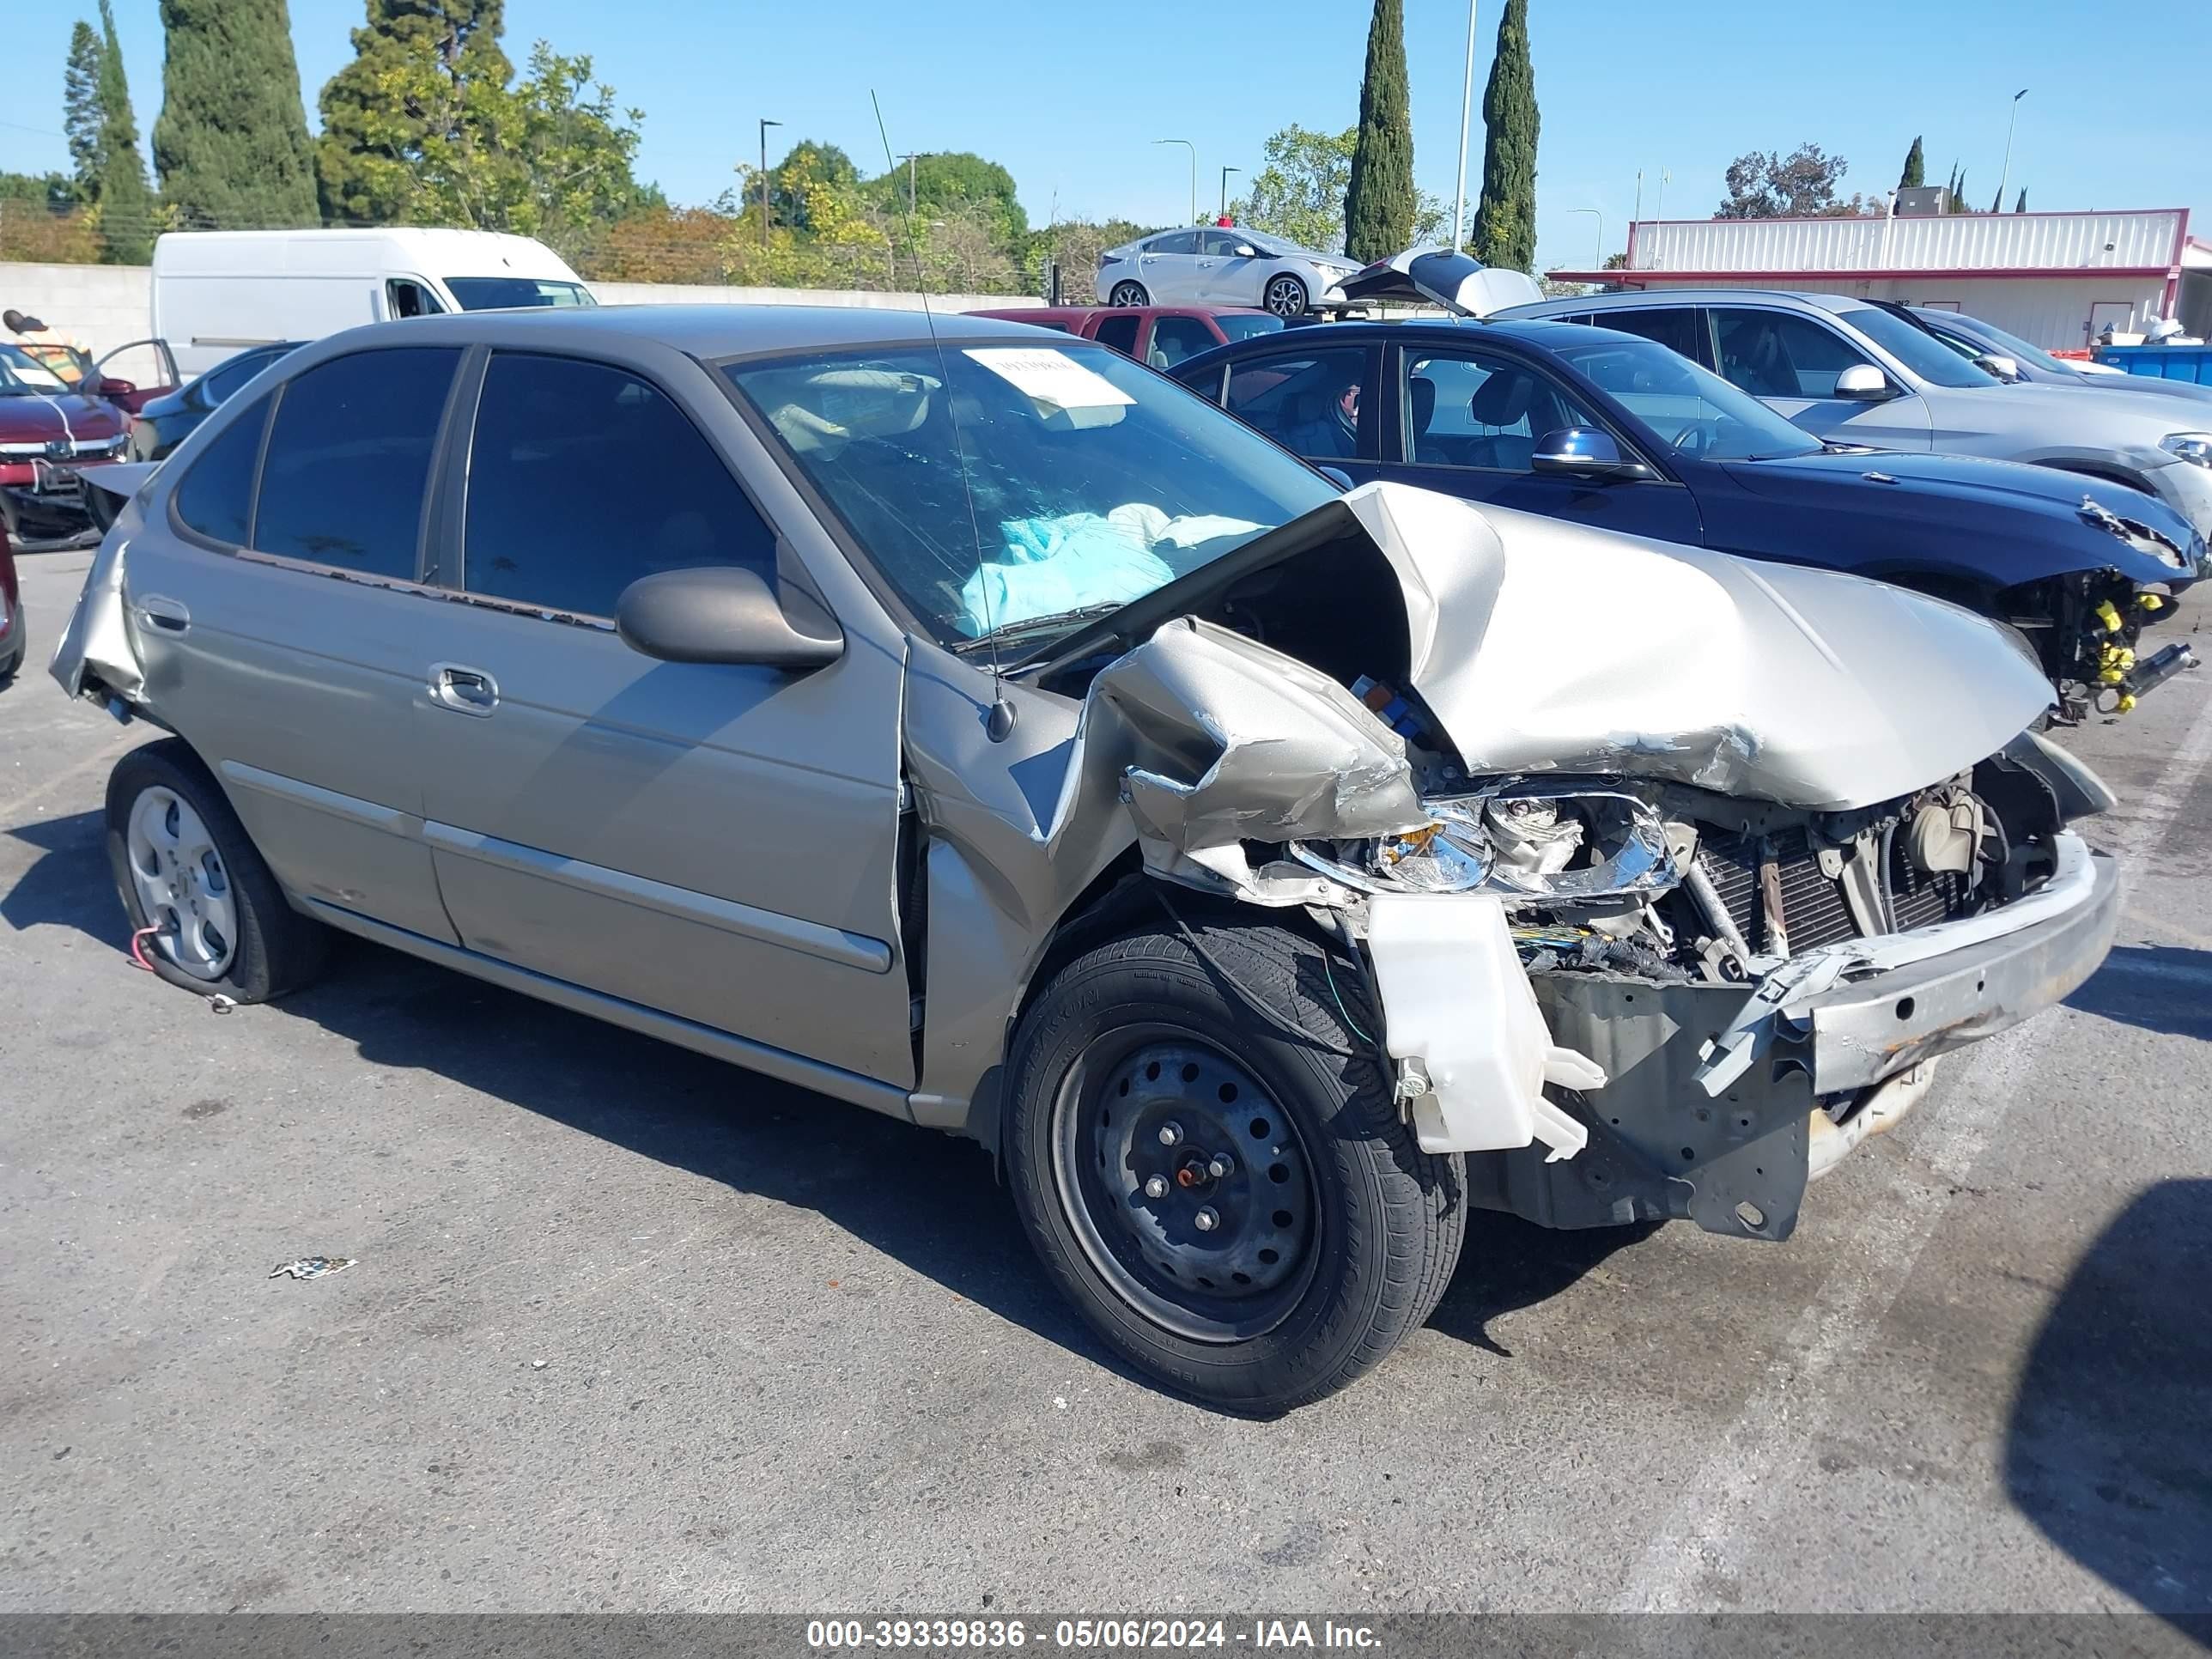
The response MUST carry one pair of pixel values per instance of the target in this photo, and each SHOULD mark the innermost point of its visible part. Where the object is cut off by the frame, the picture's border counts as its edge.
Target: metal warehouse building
(2058, 279)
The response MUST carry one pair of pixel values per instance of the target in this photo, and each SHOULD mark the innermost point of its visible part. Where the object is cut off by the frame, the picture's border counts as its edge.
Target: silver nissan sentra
(971, 724)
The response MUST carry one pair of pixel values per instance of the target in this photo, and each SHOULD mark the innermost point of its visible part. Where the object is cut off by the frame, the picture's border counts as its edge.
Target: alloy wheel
(183, 890)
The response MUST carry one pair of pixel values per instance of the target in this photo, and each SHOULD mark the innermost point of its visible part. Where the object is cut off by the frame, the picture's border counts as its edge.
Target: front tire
(1128, 293)
(1284, 295)
(1239, 1212)
(186, 869)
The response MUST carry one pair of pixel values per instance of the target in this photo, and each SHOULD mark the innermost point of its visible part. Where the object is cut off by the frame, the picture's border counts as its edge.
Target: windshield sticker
(1050, 378)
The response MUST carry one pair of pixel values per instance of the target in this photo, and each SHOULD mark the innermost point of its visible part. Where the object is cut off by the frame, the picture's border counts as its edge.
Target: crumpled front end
(1672, 977)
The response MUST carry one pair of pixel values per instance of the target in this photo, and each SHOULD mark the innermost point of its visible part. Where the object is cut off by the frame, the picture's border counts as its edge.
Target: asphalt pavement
(632, 1330)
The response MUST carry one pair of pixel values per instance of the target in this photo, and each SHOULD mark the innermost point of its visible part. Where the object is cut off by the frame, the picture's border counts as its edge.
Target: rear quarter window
(216, 499)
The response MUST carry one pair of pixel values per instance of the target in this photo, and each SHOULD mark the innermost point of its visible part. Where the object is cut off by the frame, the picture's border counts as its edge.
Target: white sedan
(1216, 266)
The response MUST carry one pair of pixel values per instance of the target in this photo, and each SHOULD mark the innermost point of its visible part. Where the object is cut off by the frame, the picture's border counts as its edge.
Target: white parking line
(1756, 1469)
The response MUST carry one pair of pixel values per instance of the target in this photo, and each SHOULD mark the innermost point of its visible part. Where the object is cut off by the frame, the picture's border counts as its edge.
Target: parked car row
(963, 719)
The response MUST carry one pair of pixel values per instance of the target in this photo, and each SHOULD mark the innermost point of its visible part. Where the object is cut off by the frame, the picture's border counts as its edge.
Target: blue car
(1613, 430)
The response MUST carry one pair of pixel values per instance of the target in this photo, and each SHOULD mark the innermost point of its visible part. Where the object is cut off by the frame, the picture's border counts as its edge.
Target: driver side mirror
(1863, 383)
(1245, 251)
(1583, 451)
(110, 387)
(722, 614)
(2005, 368)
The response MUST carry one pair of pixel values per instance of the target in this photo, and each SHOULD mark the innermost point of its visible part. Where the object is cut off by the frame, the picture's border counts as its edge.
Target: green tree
(126, 201)
(805, 162)
(1379, 202)
(1505, 222)
(1958, 195)
(1915, 168)
(2020, 206)
(81, 108)
(1299, 192)
(957, 183)
(411, 89)
(232, 141)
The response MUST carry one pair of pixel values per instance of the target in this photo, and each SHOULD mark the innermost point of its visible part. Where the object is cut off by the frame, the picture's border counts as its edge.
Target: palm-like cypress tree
(126, 204)
(375, 121)
(1505, 221)
(2020, 206)
(232, 141)
(1915, 168)
(1379, 207)
(80, 114)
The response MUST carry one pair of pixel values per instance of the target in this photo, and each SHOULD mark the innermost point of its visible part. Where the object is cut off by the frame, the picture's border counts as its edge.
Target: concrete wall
(103, 307)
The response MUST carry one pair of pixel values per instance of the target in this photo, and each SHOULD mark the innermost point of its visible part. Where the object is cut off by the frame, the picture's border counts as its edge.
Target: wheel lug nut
(1157, 1186)
(1170, 1135)
(1222, 1164)
(1206, 1221)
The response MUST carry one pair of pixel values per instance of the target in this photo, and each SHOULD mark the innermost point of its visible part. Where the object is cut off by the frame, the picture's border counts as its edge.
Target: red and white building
(2059, 279)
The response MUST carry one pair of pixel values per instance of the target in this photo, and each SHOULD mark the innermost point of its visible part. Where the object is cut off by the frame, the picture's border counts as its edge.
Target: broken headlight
(1549, 845)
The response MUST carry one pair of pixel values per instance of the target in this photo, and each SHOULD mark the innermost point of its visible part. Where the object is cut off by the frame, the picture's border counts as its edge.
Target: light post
(1225, 172)
(2005, 178)
(1466, 109)
(1599, 216)
(910, 158)
(764, 125)
(1193, 148)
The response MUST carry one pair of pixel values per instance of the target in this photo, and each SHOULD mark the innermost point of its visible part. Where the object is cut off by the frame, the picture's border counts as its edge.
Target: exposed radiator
(1813, 907)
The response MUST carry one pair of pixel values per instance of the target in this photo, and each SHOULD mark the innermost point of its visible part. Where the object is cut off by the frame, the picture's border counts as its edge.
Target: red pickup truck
(1162, 336)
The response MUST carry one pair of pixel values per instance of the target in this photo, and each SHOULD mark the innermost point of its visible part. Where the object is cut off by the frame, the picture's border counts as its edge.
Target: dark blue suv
(1613, 430)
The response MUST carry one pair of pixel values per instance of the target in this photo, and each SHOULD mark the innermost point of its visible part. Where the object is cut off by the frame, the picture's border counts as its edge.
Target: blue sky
(1067, 101)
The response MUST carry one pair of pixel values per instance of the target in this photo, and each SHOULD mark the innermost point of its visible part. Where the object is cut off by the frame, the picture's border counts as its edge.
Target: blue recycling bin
(2164, 363)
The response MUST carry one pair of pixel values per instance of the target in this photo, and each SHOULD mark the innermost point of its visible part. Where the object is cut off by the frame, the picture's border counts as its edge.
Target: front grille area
(1813, 912)
(1918, 899)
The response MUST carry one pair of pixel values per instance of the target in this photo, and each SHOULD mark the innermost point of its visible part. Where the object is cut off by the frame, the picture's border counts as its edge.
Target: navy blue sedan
(1615, 431)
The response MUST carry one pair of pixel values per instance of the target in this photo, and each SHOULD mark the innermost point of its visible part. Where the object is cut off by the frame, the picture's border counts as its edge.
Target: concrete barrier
(101, 308)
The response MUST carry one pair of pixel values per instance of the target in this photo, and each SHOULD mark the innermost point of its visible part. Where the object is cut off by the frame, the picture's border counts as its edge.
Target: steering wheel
(1694, 440)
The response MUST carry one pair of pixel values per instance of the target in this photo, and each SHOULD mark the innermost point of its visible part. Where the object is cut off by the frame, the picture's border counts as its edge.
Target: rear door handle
(464, 690)
(165, 613)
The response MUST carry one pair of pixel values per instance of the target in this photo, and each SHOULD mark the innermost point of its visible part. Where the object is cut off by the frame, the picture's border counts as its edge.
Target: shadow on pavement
(2156, 987)
(1508, 1264)
(70, 886)
(2109, 1449)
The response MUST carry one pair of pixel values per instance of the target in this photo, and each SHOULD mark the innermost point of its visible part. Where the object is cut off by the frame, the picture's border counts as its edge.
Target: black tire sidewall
(1144, 294)
(1327, 1336)
(1305, 301)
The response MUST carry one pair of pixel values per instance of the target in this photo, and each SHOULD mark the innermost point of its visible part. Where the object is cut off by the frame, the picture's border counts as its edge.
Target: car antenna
(998, 723)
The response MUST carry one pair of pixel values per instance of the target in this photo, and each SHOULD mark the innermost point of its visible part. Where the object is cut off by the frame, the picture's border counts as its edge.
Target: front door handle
(464, 690)
(168, 615)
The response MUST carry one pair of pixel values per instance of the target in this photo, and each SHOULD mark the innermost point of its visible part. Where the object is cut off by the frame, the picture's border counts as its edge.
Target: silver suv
(892, 715)
(1851, 371)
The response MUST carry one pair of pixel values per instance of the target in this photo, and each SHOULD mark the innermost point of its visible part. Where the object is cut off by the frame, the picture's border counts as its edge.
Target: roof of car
(712, 331)
(1534, 331)
(1631, 297)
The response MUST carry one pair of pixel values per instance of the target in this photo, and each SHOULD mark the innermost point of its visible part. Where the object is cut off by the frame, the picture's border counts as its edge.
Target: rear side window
(1308, 403)
(217, 497)
(583, 478)
(1119, 333)
(349, 459)
(1679, 328)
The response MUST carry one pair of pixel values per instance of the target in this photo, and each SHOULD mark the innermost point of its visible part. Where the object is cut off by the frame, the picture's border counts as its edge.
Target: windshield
(512, 293)
(1090, 480)
(1917, 348)
(2004, 345)
(1244, 327)
(21, 373)
(1691, 411)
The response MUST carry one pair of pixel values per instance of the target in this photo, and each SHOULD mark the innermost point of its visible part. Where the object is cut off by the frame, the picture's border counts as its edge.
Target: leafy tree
(42, 223)
(1379, 201)
(81, 108)
(805, 162)
(951, 184)
(410, 91)
(1915, 168)
(126, 201)
(661, 244)
(1505, 222)
(1299, 192)
(2020, 206)
(1958, 195)
(1763, 185)
(232, 141)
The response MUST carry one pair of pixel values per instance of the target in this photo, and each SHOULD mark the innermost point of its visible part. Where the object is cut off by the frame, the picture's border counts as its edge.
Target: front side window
(412, 299)
(1476, 409)
(216, 497)
(1073, 478)
(1174, 338)
(537, 531)
(512, 292)
(1777, 354)
(348, 460)
(1686, 409)
(1308, 402)
(21, 373)
(1918, 349)
(1244, 325)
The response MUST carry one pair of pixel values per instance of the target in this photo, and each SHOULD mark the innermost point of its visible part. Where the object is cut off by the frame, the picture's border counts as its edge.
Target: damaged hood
(1544, 646)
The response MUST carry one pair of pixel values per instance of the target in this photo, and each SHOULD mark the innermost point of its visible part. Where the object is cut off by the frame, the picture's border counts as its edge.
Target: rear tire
(183, 865)
(1128, 293)
(1285, 296)
(1333, 1235)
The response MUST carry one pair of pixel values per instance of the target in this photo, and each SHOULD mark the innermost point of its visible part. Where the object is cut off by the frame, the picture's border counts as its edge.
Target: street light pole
(1466, 110)
(1225, 172)
(764, 125)
(1193, 148)
(1599, 264)
(910, 158)
(2005, 178)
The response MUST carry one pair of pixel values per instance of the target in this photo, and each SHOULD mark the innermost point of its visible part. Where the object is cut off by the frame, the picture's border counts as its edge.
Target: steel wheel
(183, 887)
(1128, 293)
(1284, 295)
(1187, 1186)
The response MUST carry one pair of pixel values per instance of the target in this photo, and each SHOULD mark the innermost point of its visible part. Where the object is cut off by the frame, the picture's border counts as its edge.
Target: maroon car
(11, 614)
(48, 430)
(1162, 336)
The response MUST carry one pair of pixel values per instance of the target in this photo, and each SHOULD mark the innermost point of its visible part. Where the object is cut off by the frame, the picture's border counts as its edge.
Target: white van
(217, 292)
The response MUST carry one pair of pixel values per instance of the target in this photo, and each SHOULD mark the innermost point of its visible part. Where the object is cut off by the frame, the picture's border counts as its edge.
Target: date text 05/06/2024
(1088, 1635)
